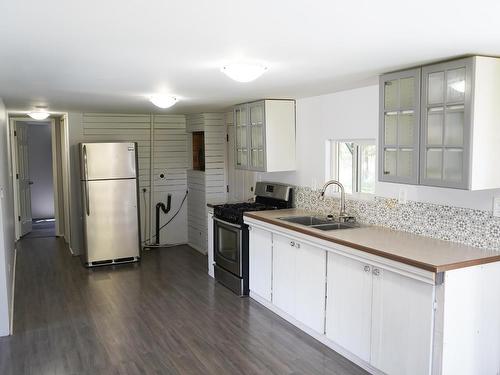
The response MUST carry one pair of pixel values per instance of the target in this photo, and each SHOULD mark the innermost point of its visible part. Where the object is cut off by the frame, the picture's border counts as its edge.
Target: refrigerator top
(108, 160)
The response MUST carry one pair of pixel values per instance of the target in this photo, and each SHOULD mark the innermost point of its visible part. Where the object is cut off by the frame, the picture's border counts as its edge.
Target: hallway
(163, 316)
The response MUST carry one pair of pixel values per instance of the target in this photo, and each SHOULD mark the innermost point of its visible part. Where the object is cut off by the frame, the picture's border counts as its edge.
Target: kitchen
(400, 279)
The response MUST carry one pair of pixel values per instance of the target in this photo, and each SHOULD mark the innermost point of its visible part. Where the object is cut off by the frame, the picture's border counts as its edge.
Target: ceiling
(110, 55)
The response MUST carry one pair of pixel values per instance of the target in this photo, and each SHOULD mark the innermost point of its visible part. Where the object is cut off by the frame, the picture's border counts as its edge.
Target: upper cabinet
(399, 130)
(453, 120)
(265, 135)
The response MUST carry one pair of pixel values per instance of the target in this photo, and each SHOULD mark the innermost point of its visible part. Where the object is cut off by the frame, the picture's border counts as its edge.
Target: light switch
(496, 206)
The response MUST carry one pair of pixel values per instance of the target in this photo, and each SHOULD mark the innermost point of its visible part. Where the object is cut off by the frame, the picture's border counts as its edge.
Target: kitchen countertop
(418, 251)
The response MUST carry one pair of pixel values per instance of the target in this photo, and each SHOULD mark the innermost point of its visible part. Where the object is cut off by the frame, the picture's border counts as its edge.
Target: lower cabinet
(299, 281)
(381, 315)
(210, 244)
(384, 318)
(260, 262)
(349, 304)
(402, 323)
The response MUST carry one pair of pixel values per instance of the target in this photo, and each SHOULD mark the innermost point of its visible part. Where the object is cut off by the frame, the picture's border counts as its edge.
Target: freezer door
(100, 161)
(111, 220)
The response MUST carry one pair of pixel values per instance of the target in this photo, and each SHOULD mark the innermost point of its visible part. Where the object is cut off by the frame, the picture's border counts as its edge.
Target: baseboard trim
(197, 248)
(319, 337)
(14, 264)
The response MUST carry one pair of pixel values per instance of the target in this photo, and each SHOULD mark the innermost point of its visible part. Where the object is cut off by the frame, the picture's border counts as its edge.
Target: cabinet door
(402, 322)
(310, 286)
(257, 136)
(349, 304)
(261, 256)
(284, 274)
(399, 126)
(446, 124)
(241, 136)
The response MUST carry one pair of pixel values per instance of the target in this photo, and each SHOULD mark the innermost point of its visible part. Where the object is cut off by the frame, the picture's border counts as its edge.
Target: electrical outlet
(496, 206)
(402, 197)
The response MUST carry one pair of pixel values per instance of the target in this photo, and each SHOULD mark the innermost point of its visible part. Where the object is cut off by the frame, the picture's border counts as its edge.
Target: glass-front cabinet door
(241, 131)
(445, 114)
(399, 126)
(257, 139)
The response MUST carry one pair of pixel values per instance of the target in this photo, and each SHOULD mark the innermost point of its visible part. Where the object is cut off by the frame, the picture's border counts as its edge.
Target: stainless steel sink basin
(306, 220)
(334, 226)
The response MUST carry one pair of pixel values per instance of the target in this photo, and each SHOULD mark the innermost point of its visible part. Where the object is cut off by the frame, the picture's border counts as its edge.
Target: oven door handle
(226, 223)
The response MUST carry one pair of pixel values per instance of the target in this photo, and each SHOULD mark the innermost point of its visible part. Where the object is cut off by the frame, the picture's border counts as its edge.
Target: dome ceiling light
(243, 72)
(39, 114)
(163, 101)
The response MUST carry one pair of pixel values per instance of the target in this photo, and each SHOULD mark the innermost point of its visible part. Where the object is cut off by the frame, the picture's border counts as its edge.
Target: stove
(231, 234)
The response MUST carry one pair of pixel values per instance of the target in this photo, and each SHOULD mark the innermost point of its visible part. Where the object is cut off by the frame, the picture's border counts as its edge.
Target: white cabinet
(260, 259)
(402, 323)
(349, 304)
(299, 281)
(383, 317)
(265, 135)
(210, 244)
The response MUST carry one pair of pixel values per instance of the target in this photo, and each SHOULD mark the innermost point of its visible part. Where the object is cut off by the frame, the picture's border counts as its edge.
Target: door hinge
(227, 137)
(17, 176)
(15, 133)
(19, 218)
(227, 188)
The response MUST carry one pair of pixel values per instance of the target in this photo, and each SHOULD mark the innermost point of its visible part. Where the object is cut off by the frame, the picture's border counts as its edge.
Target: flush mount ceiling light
(163, 101)
(39, 114)
(243, 72)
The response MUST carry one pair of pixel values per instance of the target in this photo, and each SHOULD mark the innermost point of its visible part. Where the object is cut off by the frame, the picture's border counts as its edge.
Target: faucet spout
(342, 195)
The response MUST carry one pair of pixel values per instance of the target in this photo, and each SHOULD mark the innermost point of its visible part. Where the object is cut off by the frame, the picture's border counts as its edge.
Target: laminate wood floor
(162, 316)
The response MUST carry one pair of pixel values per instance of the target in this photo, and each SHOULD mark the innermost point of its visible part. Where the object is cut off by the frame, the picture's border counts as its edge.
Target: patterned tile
(462, 225)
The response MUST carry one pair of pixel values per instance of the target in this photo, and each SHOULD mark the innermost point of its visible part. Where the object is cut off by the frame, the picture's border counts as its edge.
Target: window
(352, 163)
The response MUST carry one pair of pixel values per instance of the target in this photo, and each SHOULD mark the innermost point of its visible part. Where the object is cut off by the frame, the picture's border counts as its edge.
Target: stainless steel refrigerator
(110, 202)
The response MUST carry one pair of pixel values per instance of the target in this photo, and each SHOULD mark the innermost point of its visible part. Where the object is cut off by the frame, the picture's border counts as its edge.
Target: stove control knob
(292, 243)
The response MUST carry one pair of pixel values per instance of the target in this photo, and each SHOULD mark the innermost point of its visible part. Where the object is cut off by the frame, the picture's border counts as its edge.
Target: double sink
(320, 222)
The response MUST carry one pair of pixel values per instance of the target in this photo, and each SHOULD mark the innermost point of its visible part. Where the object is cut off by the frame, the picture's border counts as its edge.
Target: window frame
(333, 161)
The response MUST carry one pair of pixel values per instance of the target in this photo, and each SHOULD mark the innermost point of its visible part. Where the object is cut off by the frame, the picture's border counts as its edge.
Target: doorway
(37, 156)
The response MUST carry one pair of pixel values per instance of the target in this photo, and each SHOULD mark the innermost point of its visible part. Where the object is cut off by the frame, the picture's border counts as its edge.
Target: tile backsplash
(463, 225)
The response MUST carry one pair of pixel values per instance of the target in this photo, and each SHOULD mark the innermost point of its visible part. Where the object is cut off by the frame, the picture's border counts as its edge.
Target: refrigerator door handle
(86, 174)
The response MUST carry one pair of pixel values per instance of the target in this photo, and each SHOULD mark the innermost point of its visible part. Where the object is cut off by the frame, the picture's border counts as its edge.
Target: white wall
(40, 169)
(354, 114)
(6, 226)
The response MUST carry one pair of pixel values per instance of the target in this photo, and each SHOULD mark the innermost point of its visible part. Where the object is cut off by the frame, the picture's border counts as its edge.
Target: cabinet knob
(292, 243)
(376, 271)
(367, 268)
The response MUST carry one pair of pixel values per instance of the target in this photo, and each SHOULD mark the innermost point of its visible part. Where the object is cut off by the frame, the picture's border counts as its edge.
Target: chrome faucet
(342, 214)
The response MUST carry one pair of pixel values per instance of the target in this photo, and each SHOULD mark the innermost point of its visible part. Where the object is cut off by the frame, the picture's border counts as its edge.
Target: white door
(349, 304)
(261, 262)
(310, 286)
(284, 274)
(23, 178)
(402, 320)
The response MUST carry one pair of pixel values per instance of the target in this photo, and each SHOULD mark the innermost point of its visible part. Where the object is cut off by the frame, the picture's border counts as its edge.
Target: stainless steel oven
(230, 234)
(231, 255)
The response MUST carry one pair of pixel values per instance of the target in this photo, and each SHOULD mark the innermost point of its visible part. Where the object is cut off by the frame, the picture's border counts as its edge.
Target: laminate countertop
(418, 251)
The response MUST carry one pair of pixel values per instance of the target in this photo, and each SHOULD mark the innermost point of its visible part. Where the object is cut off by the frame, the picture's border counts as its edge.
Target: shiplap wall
(209, 185)
(161, 143)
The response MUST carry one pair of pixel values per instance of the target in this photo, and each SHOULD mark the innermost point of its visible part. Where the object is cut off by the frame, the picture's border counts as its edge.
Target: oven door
(228, 246)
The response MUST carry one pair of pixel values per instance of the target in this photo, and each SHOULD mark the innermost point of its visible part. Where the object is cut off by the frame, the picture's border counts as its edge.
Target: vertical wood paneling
(161, 149)
(209, 185)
